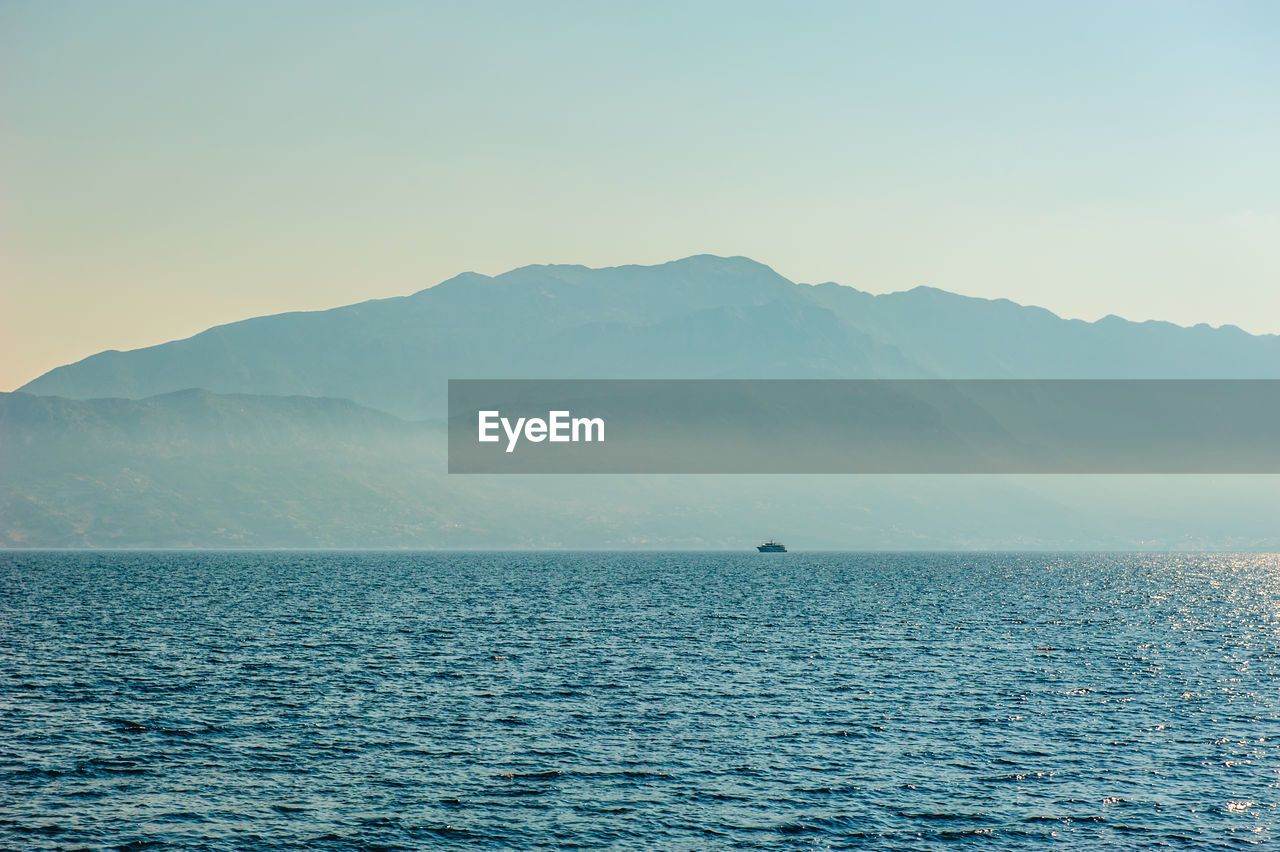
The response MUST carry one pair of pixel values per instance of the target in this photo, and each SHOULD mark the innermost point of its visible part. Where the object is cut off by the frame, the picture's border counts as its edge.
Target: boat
(771, 547)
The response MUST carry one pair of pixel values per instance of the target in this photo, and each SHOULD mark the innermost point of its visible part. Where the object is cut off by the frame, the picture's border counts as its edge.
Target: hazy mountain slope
(196, 469)
(193, 468)
(698, 317)
(784, 338)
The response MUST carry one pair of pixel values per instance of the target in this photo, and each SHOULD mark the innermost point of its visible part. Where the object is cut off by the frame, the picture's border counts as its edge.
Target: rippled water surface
(638, 701)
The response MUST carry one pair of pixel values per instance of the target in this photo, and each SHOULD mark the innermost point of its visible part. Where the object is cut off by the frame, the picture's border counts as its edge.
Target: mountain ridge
(702, 316)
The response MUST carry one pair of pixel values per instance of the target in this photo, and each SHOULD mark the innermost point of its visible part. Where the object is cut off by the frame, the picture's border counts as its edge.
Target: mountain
(701, 317)
(193, 467)
(316, 429)
(196, 469)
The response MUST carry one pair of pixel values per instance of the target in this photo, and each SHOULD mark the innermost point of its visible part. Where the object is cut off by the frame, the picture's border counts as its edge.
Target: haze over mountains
(306, 429)
(701, 317)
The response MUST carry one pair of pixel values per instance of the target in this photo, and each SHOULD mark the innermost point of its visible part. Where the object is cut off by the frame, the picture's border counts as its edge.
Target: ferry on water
(771, 547)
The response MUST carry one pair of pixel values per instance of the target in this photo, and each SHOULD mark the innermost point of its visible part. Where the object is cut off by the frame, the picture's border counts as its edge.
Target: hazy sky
(168, 166)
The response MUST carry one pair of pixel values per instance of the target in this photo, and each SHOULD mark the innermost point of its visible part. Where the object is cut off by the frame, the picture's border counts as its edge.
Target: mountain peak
(702, 263)
(931, 292)
(733, 261)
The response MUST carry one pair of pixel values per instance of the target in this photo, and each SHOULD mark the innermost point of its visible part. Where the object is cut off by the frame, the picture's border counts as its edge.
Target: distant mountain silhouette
(316, 429)
(701, 317)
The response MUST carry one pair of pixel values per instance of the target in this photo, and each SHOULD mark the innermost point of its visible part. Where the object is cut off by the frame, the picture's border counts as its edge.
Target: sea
(638, 700)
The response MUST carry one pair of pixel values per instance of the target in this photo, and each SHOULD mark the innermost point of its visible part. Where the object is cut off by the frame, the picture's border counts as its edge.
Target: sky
(166, 167)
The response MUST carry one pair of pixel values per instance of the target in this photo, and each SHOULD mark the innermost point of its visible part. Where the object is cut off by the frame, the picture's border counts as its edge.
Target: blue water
(638, 701)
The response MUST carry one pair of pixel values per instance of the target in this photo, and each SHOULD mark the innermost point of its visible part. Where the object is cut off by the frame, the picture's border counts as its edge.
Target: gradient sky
(167, 166)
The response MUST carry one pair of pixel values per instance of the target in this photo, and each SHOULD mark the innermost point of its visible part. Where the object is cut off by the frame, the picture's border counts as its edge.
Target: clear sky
(169, 166)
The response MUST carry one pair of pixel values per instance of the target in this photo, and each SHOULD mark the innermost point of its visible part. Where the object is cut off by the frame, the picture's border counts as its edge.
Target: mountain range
(324, 428)
(701, 317)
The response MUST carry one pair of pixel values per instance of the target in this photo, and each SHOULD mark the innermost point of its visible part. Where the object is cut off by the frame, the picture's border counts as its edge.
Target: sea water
(337, 700)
